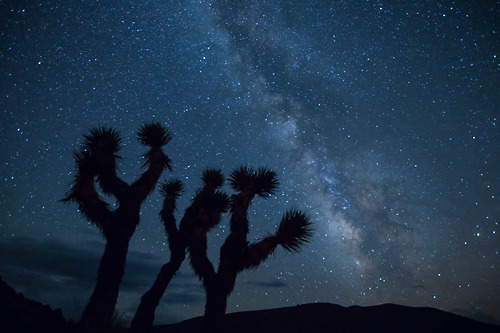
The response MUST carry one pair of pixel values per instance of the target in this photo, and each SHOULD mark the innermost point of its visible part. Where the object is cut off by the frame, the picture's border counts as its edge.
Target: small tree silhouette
(96, 164)
(236, 253)
(204, 213)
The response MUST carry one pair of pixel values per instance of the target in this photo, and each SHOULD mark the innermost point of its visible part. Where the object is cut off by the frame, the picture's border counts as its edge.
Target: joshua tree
(204, 213)
(236, 253)
(96, 164)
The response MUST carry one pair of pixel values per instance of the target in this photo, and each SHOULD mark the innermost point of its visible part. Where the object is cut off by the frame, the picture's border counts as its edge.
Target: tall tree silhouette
(204, 213)
(237, 254)
(96, 164)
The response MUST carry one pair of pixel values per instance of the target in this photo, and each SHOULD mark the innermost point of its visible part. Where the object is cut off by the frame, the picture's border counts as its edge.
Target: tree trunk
(218, 290)
(215, 309)
(100, 309)
(145, 315)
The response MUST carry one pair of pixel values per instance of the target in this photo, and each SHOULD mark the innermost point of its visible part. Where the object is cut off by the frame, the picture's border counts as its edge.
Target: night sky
(380, 118)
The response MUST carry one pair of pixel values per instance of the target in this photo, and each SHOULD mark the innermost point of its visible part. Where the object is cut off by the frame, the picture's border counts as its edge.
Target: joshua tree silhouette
(204, 213)
(236, 254)
(96, 164)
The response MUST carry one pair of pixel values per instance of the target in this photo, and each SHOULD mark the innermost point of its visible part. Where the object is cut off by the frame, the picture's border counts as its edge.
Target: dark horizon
(23, 315)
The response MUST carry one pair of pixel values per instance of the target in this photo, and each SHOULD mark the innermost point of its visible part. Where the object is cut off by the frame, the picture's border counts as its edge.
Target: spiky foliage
(213, 178)
(103, 140)
(261, 182)
(210, 200)
(83, 192)
(85, 164)
(85, 171)
(103, 145)
(241, 179)
(266, 182)
(213, 204)
(173, 188)
(156, 154)
(294, 230)
(154, 135)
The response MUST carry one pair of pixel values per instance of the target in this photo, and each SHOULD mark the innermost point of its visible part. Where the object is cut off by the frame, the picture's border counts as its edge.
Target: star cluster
(380, 119)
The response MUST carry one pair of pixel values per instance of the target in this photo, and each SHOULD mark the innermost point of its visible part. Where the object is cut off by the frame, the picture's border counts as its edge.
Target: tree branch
(156, 162)
(256, 253)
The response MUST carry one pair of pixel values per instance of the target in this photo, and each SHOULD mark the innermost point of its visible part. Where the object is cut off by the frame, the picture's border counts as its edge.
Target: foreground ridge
(327, 317)
(19, 314)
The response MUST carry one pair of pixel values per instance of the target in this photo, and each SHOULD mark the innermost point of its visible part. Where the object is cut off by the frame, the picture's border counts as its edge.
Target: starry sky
(380, 118)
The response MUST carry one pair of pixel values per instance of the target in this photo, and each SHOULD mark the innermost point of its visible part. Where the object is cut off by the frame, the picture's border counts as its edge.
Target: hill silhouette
(326, 317)
(21, 315)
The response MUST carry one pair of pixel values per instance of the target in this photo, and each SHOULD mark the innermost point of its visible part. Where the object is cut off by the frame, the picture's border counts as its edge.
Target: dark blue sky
(381, 120)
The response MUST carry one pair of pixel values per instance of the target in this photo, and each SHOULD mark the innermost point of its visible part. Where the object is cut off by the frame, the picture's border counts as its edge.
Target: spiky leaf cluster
(262, 182)
(215, 204)
(266, 182)
(102, 140)
(158, 156)
(294, 230)
(86, 170)
(172, 188)
(241, 178)
(154, 135)
(85, 164)
(213, 178)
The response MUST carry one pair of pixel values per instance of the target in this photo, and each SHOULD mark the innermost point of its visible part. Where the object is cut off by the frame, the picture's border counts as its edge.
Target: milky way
(380, 119)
